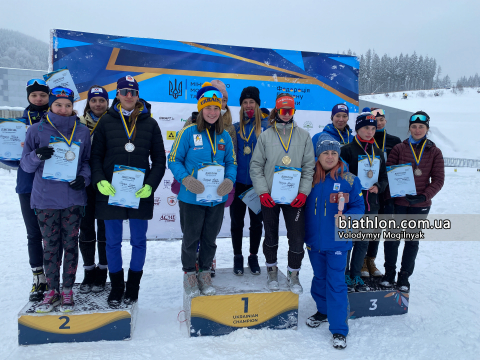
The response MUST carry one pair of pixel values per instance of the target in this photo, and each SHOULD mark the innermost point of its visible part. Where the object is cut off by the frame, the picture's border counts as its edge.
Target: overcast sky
(445, 29)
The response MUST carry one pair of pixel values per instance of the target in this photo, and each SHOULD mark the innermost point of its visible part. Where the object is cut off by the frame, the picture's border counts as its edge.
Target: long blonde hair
(258, 121)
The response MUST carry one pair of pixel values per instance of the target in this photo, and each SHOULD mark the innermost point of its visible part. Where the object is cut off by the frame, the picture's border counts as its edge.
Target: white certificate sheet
(210, 175)
(251, 199)
(286, 181)
(63, 78)
(12, 134)
(401, 180)
(365, 169)
(127, 181)
(63, 164)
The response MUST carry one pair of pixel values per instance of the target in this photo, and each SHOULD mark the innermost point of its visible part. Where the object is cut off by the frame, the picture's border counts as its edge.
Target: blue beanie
(365, 119)
(329, 144)
(97, 91)
(60, 93)
(339, 108)
(366, 109)
(127, 82)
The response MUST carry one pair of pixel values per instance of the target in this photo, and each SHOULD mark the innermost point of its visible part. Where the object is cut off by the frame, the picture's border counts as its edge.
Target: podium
(241, 302)
(92, 320)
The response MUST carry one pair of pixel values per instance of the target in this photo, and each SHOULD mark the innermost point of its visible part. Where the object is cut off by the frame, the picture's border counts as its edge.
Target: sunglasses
(61, 92)
(286, 112)
(329, 142)
(38, 81)
(125, 92)
(212, 93)
(418, 117)
(378, 112)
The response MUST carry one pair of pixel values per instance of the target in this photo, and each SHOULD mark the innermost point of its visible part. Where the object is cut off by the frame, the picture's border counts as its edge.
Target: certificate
(63, 164)
(251, 199)
(368, 174)
(63, 78)
(400, 180)
(127, 181)
(210, 175)
(286, 181)
(12, 134)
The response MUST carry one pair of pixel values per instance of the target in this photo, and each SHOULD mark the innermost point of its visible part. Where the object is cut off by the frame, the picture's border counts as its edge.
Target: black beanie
(250, 92)
(37, 87)
(415, 119)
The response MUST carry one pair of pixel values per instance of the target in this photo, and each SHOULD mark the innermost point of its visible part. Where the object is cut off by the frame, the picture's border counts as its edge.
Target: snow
(453, 118)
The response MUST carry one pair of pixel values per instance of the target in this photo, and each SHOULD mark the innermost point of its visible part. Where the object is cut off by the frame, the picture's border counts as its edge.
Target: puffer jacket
(343, 137)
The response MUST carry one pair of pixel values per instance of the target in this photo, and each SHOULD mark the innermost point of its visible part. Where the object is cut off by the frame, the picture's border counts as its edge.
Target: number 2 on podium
(63, 326)
(245, 308)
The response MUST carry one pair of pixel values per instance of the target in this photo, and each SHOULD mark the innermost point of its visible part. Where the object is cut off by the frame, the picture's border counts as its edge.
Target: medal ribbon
(285, 148)
(419, 158)
(245, 136)
(214, 148)
(69, 142)
(343, 140)
(98, 121)
(384, 136)
(129, 133)
(29, 118)
(373, 153)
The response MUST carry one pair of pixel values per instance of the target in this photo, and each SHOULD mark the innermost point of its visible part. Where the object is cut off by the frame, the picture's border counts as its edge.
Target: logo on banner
(156, 200)
(168, 118)
(171, 135)
(197, 140)
(177, 90)
(167, 184)
(172, 200)
(308, 125)
(168, 217)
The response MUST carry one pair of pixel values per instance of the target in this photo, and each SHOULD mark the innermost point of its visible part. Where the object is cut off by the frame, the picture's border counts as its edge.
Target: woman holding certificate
(282, 169)
(57, 150)
(366, 161)
(332, 186)
(125, 140)
(429, 176)
(247, 130)
(203, 160)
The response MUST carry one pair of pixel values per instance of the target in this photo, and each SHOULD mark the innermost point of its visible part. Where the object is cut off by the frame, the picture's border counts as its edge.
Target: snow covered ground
(454, 118)
(442, 322)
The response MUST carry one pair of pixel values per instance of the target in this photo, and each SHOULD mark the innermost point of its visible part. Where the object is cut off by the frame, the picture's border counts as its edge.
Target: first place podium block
(241, 302)
(92, 320)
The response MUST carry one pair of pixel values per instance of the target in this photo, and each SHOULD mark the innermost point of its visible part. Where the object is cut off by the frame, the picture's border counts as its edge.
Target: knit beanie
(250, 92)
(97, 91)
(203, 102)
(365, 119)
(220, 86)
(324, 143)
(339, 108)
(127, 82)
(36, 86)
(60, 93)
(419, 119)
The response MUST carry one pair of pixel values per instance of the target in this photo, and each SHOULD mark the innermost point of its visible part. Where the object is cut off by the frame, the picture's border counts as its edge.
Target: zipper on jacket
(316, 206)
(325, 208)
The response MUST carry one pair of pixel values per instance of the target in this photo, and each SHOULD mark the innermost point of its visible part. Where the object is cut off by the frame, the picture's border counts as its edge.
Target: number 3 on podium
(63, 326)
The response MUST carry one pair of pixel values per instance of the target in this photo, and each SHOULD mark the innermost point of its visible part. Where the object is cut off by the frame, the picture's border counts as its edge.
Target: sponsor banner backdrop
(171, 72)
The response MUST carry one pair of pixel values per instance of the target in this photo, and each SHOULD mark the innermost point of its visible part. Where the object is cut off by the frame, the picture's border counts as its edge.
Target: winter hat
(127, 82)
(250, 92)
(283, 101)
(203, 102)
(423, 118)
(60, 93)
(366, 109)
(365, 119)
(326, 142)
(265, 112)
(97, 91)
(339, 108)
(37, 85)
(220, 86)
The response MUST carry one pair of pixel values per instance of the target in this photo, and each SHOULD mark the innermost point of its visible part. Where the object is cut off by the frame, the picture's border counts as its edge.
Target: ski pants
(88, 238)
(199, 224)
(329, 289)
(295, 223)
(138, 240)
(386, 207)
(237, 215)
(34, 235)
(60, 229)
(411, 247)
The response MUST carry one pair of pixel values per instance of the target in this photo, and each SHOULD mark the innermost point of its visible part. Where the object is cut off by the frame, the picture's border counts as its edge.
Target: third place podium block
(241, 302)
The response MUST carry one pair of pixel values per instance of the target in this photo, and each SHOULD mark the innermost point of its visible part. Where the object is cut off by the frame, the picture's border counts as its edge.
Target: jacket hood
(64, 124)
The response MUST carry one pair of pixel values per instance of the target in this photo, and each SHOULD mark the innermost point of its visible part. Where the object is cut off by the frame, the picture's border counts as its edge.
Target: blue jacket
(320, 231)
(192, 148)
(335, 133)
(243, 169)
(24, 179)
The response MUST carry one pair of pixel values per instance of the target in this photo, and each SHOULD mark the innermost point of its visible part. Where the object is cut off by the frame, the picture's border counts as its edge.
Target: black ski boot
(118, 288)
(388, 280)
(238, 264)
(253, 264)
(39, 285)
(100, 280)
(339, 341)
(88, 281)
(132, 287)
(316, 320)
(402, 282)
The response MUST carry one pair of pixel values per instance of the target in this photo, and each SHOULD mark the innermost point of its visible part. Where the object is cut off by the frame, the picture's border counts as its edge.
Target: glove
(299, 201)
(225, 187)
(78, 183)
(267, 200)
(44, 153)
(193, 184)
(416, 199)
(144, 192)
(106, 188)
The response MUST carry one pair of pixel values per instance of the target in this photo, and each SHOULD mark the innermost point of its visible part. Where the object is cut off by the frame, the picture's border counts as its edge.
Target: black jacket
(390, 141)
(349, 154)
(108, 150)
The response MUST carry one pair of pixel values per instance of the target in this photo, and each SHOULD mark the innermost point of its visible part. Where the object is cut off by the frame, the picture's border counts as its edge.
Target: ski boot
(316, 320)
(294, 282)
(39, 285)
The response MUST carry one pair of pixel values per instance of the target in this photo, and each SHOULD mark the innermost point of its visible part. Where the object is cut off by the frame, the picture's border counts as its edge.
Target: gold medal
(247, 150)
(70, 155)
(418, 172)
(286, 160)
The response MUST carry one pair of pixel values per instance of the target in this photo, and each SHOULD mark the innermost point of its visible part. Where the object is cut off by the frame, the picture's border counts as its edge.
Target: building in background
(12, 87)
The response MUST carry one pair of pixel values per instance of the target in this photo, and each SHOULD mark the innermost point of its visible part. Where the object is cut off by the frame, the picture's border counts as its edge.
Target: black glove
(416, 199)
(44, 153)
(78, 183)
